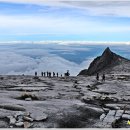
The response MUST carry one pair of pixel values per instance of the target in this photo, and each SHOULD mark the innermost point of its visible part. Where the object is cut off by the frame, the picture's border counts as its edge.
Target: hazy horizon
(28, 58)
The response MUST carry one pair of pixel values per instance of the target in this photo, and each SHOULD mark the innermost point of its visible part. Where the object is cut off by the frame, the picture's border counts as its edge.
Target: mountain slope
(108, 62)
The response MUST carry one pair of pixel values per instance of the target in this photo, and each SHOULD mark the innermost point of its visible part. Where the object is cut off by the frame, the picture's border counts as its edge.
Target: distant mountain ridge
(108, 62)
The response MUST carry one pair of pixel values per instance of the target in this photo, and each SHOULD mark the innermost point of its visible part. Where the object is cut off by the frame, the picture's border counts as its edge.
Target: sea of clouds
(28, 58)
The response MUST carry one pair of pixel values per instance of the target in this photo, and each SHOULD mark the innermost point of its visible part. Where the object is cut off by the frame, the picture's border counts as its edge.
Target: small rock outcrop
(107, 60)
(39, 116)
(25, 119)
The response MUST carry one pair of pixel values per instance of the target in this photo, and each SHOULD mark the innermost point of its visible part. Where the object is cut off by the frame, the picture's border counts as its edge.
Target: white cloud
(36, 25)
(21, 61)
(20, 26)
(11, 61)
(94, 7)
(46, 63)
(40, 25)
(76, 43)
(33, 24)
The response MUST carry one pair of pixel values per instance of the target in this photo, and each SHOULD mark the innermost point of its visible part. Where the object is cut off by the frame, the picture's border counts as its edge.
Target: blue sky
(39, 20)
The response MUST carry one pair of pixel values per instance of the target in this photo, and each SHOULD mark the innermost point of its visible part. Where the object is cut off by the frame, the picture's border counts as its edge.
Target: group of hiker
(52, 74)
(103, 77)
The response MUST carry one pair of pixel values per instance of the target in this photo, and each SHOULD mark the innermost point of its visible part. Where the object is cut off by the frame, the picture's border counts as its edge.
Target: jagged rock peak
(107, 51)
(107, 60)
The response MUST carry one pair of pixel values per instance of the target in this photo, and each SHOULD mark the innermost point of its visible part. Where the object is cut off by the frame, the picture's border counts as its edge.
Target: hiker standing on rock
(67, 74)
(53, 74)
(50, 74)
(97, 77)
(35, 73)
(57, 74)
(103, 77)
(42, 74)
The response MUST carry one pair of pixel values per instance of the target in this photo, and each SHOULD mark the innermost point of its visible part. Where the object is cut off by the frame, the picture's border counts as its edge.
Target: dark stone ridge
(107, 60)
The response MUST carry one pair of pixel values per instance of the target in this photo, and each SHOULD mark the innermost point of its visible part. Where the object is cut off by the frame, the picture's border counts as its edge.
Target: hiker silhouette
(49, 74)
(67, 74)
(35, 73)
(57, 74)
(97, 76)
(103, 77)
(53, 74)
(42, 74)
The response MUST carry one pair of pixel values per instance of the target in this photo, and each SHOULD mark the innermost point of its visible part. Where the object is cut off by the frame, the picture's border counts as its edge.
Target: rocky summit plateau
(69, 102)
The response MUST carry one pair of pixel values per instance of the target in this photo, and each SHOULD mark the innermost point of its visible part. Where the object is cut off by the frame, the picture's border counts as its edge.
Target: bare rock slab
(12, 107)
(111, 113)
(119, 113)
(126, 117)
(38, 116)
(102, 117)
